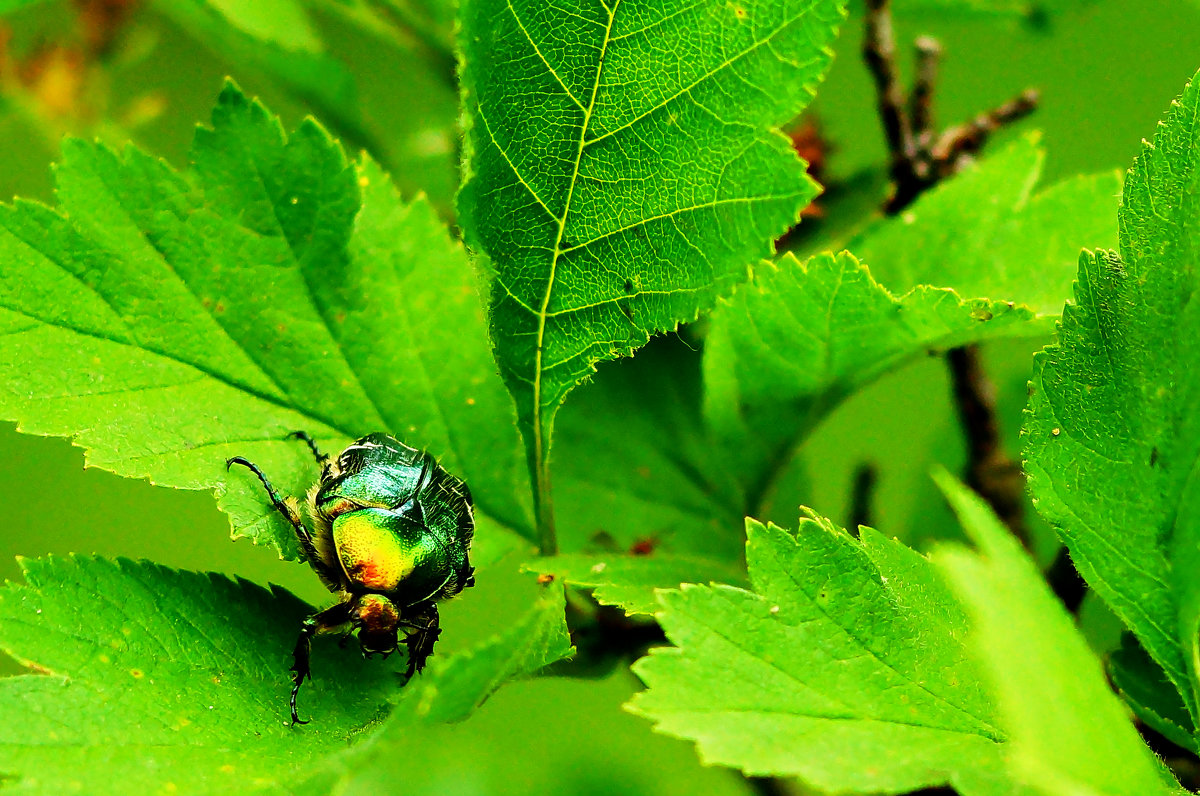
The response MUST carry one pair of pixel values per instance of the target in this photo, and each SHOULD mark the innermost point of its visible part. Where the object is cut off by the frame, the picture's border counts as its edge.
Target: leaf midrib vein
(300, 272)
(218, 377)
(188, 288)
(558, 250)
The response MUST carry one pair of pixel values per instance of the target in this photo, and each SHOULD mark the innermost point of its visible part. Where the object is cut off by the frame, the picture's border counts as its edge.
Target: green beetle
(391, 536)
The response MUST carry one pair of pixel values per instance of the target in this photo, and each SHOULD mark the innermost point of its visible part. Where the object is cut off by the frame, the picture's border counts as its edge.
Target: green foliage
(1112, 423)
(845, 666)
(273, 286)
(239, 29)
(1067, 732)
(281, 22)
(603, 221)
(634, 462)
(788, 348)
(630, 581)
(623, 173)
(1021, 247)
(181, 679)
(1146, 689)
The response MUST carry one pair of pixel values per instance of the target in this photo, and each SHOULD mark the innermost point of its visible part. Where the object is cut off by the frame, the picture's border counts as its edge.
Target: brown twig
(922, 157)
(879, 51)
(990, 470)
(967, 139)
(920, 101)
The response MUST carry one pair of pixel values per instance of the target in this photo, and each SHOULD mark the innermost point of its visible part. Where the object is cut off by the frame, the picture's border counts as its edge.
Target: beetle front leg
(420, 641)
(304, 437)
(326, 621)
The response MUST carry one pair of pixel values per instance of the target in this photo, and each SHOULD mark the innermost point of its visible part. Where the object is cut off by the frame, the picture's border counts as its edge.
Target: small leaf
(1068, 732)
(1146, 689)
(634, 462)
(285, 54)
(986, 234)
(788, 348)
(281, 22)
(623, 170)
(180, 678)
(630, 581)
(845, 667)
(171, 320)
(1113, 424)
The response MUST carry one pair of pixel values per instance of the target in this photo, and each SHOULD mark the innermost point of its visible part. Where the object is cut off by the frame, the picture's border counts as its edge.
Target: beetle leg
(292, 514)
(300, 663)
(330, 619)
(420, 642)
(303, 436)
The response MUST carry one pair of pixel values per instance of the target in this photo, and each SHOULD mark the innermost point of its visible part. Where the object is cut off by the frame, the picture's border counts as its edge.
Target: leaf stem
(543, 506)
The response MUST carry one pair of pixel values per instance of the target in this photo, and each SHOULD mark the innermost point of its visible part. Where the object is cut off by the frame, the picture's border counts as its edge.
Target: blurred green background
(1106, 70)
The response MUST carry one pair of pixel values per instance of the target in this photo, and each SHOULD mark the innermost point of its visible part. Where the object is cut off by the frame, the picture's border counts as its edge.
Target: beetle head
(376, 618)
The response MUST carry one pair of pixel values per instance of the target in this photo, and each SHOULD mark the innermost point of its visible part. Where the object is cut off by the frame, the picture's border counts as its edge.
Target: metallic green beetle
(391, 536)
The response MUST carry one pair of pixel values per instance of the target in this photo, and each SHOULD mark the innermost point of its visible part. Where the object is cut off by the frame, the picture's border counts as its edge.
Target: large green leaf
(789, 347)
(623, 171)
(845, 666)
(150, 679)
(986, 234)
(155, 680)
(1068, 733)
(1114, 415)
(170, 320)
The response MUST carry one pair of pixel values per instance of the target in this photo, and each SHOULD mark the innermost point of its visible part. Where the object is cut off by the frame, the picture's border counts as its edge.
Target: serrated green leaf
(630, 581)
(1068, 732)
(623, 170)
(1113, 424)
(789, 347)
(986, 234)
(152, 679)
(170, 320)
(845, 667)
(1146, 689)
(158, 680)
